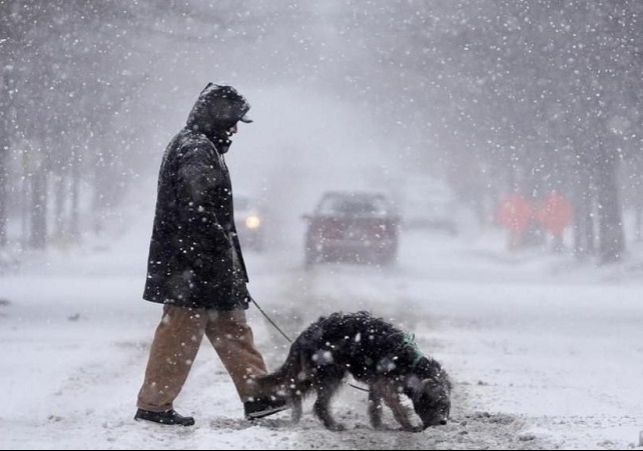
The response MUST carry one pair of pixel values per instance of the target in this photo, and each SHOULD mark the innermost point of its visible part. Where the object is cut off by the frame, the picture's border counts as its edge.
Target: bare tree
(5, 106)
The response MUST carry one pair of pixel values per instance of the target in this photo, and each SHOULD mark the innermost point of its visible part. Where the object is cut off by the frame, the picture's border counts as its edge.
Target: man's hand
(243, 293)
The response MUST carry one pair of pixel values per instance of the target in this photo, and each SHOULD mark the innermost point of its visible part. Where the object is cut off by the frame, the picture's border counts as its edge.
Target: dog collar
(409, 340)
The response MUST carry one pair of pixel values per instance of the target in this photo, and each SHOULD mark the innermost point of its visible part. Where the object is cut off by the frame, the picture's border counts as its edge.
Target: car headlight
(253, 222)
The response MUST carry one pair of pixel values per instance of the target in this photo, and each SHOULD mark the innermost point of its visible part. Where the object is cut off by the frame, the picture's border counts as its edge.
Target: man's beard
(223, 142)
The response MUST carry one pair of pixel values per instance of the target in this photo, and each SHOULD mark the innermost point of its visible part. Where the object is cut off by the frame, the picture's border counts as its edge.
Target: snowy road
(542, 355)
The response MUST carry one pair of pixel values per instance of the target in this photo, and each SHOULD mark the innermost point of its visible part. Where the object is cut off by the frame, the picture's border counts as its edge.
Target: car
(250, 222)
(352, 226)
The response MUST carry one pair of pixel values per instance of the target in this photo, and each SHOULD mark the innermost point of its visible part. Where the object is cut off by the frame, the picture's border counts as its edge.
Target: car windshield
(352, 206)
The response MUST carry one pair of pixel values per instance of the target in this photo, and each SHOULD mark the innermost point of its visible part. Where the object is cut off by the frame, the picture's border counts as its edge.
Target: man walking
(196, 268)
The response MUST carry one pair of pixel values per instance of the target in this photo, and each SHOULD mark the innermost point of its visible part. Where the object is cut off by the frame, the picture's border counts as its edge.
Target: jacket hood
(218, 108)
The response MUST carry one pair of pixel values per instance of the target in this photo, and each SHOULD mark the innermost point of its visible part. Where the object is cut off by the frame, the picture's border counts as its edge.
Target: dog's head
(431, 397)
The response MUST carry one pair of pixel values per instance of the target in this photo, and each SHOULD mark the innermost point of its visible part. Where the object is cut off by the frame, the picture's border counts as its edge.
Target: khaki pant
(175, 346)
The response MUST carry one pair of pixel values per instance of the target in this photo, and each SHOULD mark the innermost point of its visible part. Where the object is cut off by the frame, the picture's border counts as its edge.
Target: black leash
(271, 321)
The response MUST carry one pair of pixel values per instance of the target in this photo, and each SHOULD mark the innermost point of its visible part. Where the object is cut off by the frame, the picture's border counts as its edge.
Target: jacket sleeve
(208, 248)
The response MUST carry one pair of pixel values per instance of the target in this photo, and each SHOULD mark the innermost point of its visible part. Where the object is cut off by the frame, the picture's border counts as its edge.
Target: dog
(375, 353)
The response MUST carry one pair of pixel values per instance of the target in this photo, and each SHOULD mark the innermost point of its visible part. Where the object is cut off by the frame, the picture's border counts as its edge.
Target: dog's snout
(435, 422)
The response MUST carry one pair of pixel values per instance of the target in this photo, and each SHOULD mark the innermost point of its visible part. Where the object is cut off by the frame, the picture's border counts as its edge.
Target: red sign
(556, 213)
(515, 213)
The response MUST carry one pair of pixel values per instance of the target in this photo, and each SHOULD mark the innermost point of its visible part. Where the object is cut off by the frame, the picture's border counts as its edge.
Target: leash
(271, 321)
(288, 339)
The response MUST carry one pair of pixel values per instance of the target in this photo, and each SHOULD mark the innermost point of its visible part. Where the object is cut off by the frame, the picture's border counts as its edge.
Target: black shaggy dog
(375, 353)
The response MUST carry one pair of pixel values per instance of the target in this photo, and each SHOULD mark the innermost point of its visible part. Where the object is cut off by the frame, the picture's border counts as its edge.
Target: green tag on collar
(409, 340)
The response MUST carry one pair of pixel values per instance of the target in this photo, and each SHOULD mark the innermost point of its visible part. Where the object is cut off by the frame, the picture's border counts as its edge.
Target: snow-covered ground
(544, 353)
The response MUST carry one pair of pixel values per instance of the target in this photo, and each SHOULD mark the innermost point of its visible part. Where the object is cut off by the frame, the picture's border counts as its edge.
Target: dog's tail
(288, 377)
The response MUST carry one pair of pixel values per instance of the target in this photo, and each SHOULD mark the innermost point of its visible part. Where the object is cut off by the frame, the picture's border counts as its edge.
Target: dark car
(352, 226)
(250, 221)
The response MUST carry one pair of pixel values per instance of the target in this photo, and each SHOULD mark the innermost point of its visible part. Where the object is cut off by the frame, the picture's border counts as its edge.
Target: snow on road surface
(543, 354)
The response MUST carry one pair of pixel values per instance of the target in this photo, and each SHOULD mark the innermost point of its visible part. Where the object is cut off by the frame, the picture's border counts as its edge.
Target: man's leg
(233, 341)
(176, 342)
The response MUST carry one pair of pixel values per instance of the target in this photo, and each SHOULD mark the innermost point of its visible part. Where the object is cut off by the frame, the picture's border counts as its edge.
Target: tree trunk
(584, 235)
(74, 228)
(532, 189)
(4, 175)
(60, 197)
(38, 215)
(611, 234)
(5, 106)
(639, 221)
(638, 204)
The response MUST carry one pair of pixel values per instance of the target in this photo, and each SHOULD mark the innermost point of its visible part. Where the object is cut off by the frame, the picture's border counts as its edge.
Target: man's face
(233, 130)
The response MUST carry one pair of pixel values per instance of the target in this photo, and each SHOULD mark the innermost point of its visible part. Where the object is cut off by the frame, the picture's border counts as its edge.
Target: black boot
(263, 406)
(169, 417)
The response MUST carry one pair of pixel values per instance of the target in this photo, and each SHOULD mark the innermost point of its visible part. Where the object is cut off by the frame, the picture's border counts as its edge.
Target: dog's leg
(375, 406)
(321, 408)
(400, 413)
(296, 407)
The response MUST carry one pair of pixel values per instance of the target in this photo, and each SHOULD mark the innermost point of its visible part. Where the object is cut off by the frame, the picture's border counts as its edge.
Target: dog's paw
(411, 428)
(336, 427)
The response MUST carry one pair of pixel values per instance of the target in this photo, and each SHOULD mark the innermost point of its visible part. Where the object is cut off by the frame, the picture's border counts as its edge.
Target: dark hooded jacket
(195, 259)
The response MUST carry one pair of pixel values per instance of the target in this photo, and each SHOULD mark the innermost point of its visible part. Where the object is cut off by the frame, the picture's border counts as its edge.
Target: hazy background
(491, 97)
(483, 98)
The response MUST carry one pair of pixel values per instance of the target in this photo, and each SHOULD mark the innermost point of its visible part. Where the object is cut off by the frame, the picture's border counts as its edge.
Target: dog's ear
(413, 386)
(430, 388)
